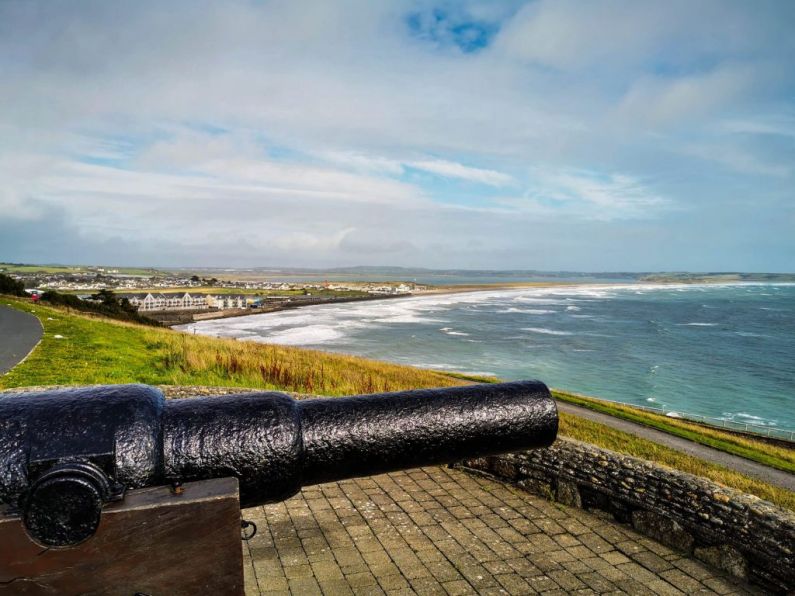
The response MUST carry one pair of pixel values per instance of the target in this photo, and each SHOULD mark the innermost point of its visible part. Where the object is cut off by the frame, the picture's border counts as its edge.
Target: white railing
(746, 427)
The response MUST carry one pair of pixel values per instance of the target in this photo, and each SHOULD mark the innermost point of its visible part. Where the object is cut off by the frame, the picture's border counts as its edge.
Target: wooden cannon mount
(156, 541)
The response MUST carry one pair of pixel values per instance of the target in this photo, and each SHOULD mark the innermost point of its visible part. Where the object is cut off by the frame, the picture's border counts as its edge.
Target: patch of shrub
(10, 286)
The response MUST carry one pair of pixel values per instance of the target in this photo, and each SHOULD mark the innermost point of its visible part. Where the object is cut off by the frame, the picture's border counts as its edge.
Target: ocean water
(724, 351)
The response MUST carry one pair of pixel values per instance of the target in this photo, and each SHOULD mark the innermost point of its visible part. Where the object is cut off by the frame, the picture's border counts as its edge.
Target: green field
(24, 268)
(95, 350)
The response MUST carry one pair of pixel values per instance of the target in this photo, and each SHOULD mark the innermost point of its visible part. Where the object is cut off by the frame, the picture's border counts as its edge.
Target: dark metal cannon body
(65, 453)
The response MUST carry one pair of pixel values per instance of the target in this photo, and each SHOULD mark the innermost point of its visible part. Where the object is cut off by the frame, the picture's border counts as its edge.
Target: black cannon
(63, 454)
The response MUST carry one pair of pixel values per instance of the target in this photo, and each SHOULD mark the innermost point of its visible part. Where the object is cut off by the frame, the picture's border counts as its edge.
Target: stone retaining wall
(742, 534)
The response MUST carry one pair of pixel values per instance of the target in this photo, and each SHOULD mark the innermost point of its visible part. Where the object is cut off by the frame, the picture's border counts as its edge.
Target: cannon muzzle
(63, 454)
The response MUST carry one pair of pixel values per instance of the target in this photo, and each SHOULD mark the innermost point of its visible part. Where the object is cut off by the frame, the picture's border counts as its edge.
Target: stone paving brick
(427, 587)
(720, 585)
(514, 584)
(458, 588)
(693, 568)
(663, 588)
(372, 590)
(612, 574)
(595, 542)
(576, 567)
(637, 572)
(579, 552)
(596, 582)
(614, 558)
(566, 580)
(653, 562)
(680, 579)
(443, 571)
(335, 587)
(298, 571)
(305, 585)
(327, 571)
(440, 531)
(632, 587)
(542, 584)
(364, 578)
(392, 583)
(477, 576)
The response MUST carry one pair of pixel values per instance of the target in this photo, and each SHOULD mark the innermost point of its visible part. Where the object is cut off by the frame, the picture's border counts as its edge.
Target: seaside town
(177, 298)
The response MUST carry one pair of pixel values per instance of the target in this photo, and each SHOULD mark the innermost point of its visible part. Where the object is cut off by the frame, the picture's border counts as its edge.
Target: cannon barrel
(63, 454)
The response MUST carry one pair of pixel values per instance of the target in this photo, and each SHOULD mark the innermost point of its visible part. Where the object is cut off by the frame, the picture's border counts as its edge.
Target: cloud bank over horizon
(545, 134)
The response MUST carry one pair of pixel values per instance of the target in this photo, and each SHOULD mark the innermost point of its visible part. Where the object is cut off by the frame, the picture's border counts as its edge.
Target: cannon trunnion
(65, 453)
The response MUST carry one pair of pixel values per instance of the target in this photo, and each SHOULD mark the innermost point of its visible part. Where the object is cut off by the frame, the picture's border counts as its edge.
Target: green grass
(745, 446)
(95, 350)
(9, 268)
(25, 268)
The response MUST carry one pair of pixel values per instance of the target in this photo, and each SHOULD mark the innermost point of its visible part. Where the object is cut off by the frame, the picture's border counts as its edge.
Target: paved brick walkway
(442, 531)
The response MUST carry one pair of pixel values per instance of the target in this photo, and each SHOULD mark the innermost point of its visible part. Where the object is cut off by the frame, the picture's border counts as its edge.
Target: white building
(156, 302)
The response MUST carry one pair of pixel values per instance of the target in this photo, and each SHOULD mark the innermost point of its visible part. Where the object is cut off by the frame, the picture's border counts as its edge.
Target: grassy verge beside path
(764, 452)
(77, 349)
(616, 440)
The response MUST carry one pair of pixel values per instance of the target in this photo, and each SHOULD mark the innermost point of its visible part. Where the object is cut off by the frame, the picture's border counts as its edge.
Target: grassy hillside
(80, 350)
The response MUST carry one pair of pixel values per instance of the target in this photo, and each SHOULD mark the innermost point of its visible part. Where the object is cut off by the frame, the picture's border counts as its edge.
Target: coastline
(436, 291)
(457, 289)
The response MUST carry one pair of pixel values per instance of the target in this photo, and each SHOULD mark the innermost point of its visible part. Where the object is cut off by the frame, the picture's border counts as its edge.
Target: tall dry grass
(236, 363)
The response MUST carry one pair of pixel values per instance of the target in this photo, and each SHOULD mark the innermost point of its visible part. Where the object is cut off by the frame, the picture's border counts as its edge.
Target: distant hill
(721, 277)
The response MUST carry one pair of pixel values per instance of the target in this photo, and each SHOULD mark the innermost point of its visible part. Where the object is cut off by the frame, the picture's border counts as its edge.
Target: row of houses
(150, 302)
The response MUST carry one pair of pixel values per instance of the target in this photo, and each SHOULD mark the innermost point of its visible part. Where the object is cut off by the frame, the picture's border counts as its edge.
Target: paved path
(19, 334)
(442, 531)
(733, 462)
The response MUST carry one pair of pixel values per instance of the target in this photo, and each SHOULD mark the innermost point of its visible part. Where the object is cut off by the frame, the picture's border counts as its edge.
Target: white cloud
(761, 124)
(663, 101)
(451, 169)
(588, 195)
(363, 163)
(741, 160)
(567, 34)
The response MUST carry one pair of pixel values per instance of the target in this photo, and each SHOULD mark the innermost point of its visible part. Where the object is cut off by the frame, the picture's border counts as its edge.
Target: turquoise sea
(723, 351)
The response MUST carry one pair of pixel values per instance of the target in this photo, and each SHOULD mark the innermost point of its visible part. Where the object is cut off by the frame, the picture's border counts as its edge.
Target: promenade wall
(746, 536)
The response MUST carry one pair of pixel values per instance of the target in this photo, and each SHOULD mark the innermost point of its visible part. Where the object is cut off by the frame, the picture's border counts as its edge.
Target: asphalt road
(733, 462)
(19, 334)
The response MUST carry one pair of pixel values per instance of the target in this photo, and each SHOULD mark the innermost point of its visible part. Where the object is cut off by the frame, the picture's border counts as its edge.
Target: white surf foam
(308, 335)
(545, 331)
(528, 311)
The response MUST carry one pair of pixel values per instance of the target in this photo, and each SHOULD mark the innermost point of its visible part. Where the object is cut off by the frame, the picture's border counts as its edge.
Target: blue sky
(612, 135)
